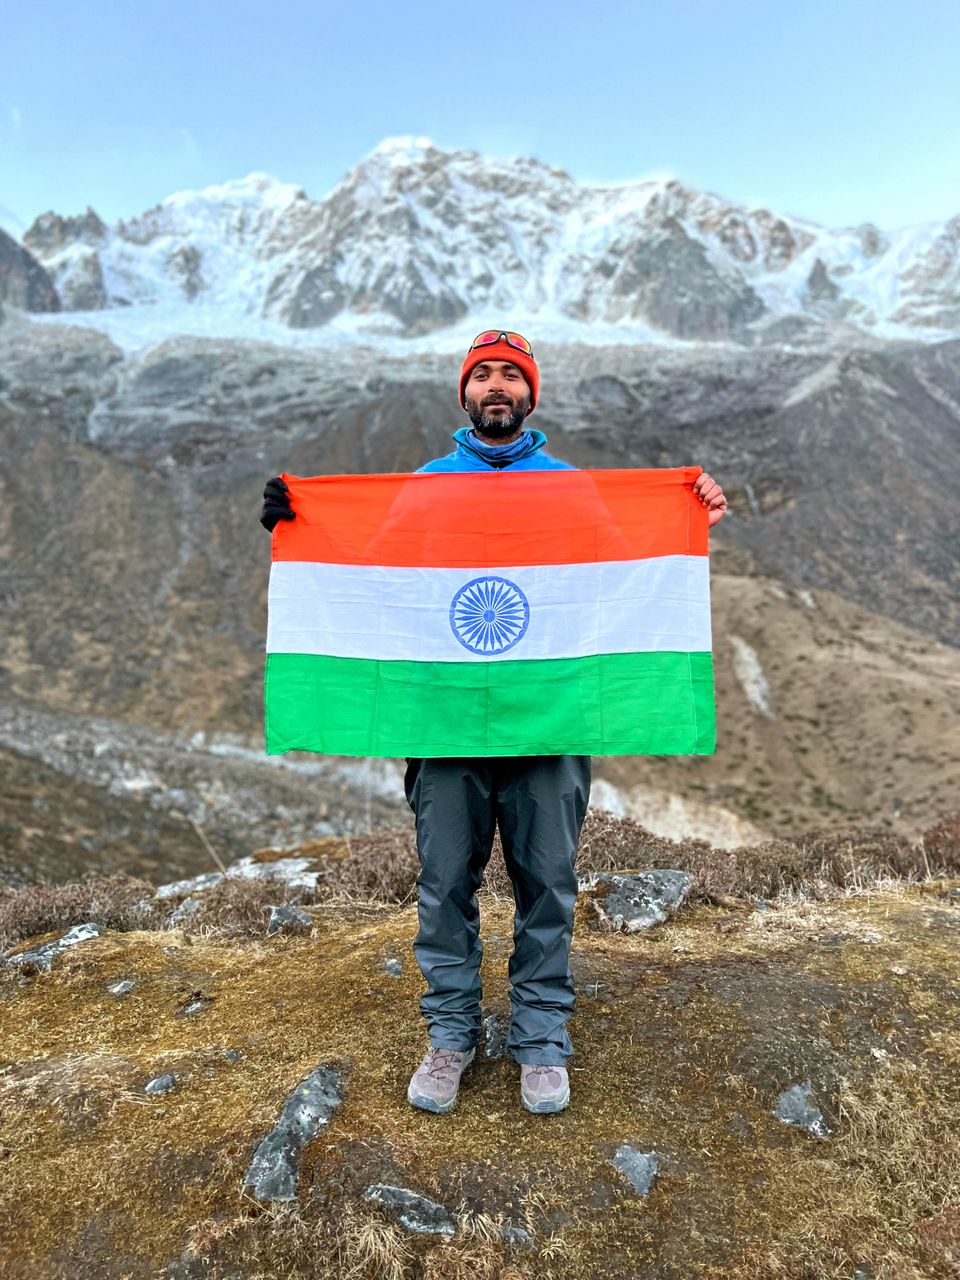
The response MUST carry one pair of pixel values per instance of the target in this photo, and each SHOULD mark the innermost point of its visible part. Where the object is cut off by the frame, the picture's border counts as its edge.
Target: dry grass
(678, 1048)
(369, 1248)
(272, 1241)
(381, 869)
(941, 842)
(115, 902)
(358, 1242)
(815, 863)
(886, 1192)
(883, 1194)
(237, 908)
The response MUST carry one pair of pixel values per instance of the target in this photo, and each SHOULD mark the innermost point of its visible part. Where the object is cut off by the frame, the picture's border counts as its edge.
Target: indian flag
(491, 614)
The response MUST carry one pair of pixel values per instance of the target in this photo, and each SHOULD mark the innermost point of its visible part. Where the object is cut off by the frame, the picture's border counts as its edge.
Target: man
(537, 802)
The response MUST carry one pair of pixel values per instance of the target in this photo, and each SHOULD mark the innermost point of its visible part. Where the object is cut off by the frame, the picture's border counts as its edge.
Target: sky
(840, 111)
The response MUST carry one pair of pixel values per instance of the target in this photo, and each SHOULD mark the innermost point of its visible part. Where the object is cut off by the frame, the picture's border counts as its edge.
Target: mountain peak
(402, 149)
(256, 188)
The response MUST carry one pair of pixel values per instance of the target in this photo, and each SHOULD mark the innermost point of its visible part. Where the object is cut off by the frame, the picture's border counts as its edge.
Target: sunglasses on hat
(490, 337)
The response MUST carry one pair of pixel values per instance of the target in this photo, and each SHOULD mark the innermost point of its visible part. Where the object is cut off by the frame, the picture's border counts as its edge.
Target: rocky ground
(84, 794)
(765, 1082)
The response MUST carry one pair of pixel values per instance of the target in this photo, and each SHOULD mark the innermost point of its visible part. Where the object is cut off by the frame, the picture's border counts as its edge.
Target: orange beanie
(502, 351)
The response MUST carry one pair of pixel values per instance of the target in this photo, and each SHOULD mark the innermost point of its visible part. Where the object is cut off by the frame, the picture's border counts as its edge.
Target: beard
(498, 426)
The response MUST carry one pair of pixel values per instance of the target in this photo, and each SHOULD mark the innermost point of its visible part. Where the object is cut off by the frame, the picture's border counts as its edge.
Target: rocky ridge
(415, 239)
(24, 283)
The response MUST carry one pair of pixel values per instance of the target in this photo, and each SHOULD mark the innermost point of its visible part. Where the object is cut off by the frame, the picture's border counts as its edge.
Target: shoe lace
(440, 1061)
(540, 1069)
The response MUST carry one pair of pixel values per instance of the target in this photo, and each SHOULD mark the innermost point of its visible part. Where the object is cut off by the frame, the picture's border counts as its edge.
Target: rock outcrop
(24, 283)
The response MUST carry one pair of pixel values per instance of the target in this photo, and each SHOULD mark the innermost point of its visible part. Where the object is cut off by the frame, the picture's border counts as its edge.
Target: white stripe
(363, 611)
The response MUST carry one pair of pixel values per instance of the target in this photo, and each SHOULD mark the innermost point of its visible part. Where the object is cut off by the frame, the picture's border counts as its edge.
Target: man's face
(497, 397)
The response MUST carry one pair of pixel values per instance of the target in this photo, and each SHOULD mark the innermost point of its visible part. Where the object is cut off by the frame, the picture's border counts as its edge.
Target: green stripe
(608, 704)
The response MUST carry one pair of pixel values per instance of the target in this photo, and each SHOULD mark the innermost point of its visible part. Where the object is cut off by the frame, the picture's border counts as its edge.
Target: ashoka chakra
(489, 615)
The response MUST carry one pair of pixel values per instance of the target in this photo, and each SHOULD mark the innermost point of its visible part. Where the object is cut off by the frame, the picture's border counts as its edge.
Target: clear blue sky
(841, 111)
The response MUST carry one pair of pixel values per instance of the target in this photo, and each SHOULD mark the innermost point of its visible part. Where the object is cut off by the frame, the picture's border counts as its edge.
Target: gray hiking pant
(538, 803)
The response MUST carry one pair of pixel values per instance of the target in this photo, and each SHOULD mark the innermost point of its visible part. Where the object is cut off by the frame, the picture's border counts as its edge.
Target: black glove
(276, 503)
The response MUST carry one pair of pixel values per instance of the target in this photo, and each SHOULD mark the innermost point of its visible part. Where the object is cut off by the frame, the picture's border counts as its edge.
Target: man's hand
(276, 503)
(711, 495)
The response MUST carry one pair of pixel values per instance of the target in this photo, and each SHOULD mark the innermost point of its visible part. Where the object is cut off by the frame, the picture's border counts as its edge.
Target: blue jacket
(525, 454)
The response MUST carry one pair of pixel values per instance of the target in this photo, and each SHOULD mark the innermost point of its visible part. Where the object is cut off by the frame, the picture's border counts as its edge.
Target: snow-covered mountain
(417, 240)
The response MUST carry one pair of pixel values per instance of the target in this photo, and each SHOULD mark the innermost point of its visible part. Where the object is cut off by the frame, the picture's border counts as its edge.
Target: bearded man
(538, 804)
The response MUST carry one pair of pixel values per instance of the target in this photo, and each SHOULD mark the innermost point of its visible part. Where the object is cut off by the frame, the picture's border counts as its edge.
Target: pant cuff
(444, 1042)
(540, 1057)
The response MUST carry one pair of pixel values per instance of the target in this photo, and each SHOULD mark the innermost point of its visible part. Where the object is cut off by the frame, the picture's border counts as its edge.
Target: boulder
(633, 901)
(415, 1212)
(638, 1167)
(272, 1174)
(40, 958)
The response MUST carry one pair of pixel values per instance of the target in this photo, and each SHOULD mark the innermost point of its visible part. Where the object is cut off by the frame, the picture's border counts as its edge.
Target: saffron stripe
(491, 519)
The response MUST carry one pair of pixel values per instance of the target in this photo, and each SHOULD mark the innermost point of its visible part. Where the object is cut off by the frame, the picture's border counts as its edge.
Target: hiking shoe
(544, 1088)
(434, 1084)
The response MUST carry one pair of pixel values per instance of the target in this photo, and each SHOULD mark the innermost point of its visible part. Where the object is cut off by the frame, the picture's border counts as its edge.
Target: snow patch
(675, 817)
(815, 382)
(404, 149)
(136, 328)
(747, 668)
